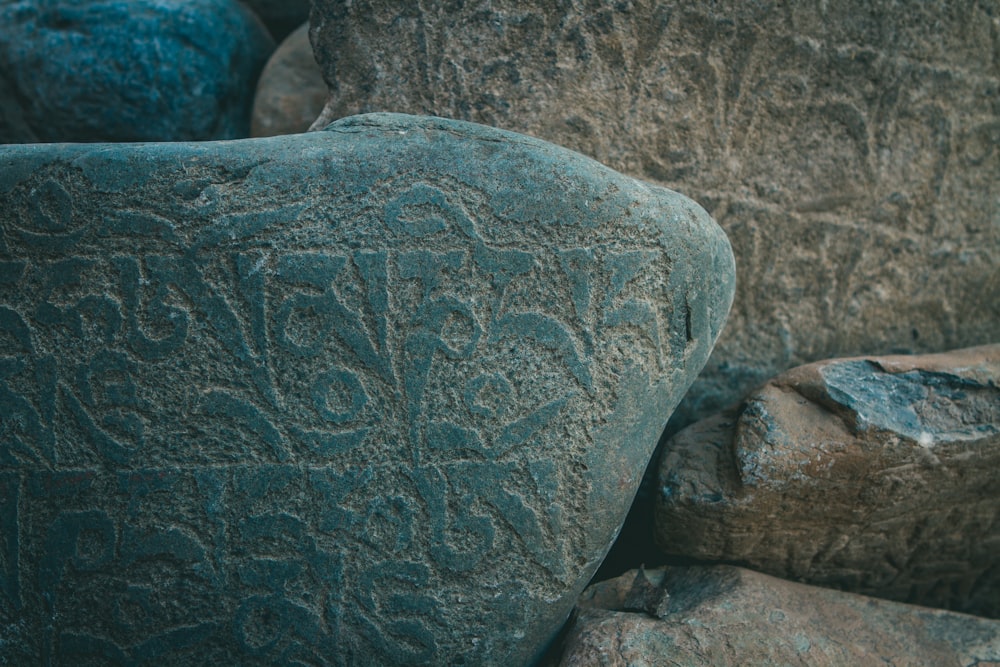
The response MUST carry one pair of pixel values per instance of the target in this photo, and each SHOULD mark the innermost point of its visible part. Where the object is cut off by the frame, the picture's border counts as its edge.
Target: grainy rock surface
(879, 475)
(849, 148)
(136, 70)
(280, 16)
(380, 394)
(724, 615)
(290, 92)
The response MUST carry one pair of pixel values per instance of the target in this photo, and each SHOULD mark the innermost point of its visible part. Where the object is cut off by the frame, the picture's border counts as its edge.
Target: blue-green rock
(135, 70)
(380, 394)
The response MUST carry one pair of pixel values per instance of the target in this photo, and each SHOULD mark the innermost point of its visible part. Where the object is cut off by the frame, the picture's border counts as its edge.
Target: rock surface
(376, 394)
(14, 128)
(135, 70)
(879, 475)
(280, 16)
(724, 615)
(849, 148)
(290, 92)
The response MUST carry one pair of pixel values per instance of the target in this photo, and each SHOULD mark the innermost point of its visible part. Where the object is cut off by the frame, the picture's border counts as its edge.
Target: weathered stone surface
(879, 475)
(135, 70)
(849, 148)
(280, 16)
(724, 615)
(380, 394)
(290, 91)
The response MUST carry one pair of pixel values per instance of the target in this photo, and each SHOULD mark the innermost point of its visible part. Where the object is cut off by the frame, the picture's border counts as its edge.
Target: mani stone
(849, 148)
(727, 616)
(290, 91)
(128, 70)
(879, 475)
(380, 394)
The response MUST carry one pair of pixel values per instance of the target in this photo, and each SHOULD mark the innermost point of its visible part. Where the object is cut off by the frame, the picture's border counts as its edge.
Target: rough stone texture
(880, 475)
(849, 148)
(280, 16)
(376, 394)
(135, 70)
(290, 92)
(724, 615)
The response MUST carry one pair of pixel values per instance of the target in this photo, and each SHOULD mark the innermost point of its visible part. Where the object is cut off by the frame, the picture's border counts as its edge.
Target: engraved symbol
(488, 395)
(106, 405)
(397, 636)
(389, 524)
(170, 322)
(51, 224)
(338, 395)
(23, 431)
(51, 208)
(420, 211)
(578, 263)
(625, 268)
(86, 539)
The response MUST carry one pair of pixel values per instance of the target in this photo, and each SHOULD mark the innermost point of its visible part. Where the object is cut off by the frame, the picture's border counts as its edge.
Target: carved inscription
(309, 431)
(852, 161)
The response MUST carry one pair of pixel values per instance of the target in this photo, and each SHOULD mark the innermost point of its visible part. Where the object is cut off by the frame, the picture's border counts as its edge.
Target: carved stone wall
(849, 148)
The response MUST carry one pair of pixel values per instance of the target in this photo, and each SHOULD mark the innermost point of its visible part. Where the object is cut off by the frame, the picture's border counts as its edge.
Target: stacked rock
(725, 616)
(383, 394)
(876, 475)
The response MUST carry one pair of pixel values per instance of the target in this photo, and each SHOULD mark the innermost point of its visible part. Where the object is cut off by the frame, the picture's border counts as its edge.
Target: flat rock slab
(380, 394)
(724, 615)
(128, 70)
(849, 148)
(879, 475)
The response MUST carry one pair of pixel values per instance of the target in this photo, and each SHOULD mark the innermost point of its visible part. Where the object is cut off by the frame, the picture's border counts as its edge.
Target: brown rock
(879, 475)
(849, 148)
(13, 126)
(726, 615)
(290, 92)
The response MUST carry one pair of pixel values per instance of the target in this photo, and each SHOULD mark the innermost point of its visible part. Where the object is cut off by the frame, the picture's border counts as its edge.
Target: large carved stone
(726, 616)
(380, 394)
(877, 475)
(849, 148)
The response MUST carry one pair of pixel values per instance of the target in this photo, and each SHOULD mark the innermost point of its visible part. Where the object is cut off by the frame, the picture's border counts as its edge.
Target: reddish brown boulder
(724, 615)
(879, 475)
